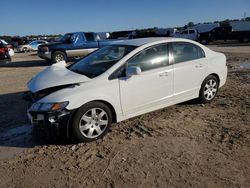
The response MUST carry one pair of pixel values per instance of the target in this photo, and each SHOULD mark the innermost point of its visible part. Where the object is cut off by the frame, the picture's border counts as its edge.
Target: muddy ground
(186, 145)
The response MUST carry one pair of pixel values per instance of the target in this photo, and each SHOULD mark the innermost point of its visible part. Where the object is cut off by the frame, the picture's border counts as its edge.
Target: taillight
(44, 49)
(2, 50)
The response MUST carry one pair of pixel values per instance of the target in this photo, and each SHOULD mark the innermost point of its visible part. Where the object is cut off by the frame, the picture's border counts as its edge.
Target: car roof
(143, 41)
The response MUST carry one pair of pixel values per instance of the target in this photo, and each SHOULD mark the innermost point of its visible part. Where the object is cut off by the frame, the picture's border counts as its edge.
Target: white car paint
(139, 94)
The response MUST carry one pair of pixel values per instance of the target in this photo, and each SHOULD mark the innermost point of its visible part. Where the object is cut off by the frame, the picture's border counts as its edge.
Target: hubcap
(59, 57)
(210, 89)
(93, 123)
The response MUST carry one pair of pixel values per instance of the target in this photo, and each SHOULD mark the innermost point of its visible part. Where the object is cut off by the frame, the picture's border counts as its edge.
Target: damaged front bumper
(51, 121)
(56, 123)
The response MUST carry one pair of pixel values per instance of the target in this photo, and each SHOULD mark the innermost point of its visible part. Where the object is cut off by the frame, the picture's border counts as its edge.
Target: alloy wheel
(210, 89)
(93, 123)
(59, 57)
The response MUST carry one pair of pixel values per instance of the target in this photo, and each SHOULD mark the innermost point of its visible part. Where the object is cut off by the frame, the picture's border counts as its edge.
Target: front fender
(79, 95)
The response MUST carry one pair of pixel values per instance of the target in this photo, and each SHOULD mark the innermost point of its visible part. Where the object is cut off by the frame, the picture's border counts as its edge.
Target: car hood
(53, 76)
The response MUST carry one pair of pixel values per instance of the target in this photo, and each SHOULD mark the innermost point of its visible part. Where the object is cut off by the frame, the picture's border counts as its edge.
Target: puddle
(245, 65)
(236, 66)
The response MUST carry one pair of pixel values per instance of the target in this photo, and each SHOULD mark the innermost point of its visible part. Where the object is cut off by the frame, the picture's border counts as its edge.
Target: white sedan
(32, 46)
(121, 81)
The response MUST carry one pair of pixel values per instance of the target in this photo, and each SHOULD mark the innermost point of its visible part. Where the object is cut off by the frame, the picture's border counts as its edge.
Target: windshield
(101, 60)
(33, 42)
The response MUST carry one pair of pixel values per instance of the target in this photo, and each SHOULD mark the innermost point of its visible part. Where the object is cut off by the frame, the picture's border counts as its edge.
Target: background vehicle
(239, 30)
(124, 80)
(189, 33)
(32, 46)
(77, 44)
(4, 53)
(9, 46)
(17, 41)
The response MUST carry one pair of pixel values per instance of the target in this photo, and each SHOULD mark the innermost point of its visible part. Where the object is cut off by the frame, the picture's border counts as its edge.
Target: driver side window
(151, 58)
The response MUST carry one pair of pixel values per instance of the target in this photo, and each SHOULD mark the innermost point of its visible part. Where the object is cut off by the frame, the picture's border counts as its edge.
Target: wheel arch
(114, 115)
(59, 50)
(216, 75)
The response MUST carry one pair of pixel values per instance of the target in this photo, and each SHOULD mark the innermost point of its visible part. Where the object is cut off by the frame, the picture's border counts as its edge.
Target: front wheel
(91, 122)
(209, 89)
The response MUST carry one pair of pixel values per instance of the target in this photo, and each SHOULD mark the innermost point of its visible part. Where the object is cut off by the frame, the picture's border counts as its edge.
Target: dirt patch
(185, 145)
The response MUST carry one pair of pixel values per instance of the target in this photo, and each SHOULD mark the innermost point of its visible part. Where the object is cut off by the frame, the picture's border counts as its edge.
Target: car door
(74, 46)
(33, 45)
(189, 65)
(36, 44)
(153, 87)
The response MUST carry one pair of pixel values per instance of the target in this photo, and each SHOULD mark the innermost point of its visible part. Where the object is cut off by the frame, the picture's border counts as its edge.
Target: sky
(26, 17)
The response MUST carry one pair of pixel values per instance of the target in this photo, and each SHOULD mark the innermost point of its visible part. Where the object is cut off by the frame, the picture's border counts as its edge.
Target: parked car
(4, 53)
(236, 30)
(17, 41)
(189, 33)
(32, 46)
(9, 46)
(71, 45)
(121, 81)
(218, 33)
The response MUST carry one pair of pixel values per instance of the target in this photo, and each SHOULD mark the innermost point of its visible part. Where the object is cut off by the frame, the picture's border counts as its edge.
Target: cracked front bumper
(51, 122)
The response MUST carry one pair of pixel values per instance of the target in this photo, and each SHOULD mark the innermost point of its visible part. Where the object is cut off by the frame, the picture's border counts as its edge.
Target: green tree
(190, 24)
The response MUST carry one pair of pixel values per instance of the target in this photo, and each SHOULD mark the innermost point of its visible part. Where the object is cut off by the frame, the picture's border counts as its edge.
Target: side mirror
(133, 70)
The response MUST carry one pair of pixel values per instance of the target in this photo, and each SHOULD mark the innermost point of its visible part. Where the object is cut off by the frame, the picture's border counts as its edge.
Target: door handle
(164, 74)
(199, 66)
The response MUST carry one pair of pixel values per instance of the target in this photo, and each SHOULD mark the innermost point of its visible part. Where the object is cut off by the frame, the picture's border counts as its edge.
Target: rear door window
(89, 37)
(185, 51)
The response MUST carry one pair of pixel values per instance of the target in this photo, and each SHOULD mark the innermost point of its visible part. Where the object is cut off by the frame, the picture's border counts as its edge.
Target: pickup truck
(71, 45)
(236, 30)
(189, 33)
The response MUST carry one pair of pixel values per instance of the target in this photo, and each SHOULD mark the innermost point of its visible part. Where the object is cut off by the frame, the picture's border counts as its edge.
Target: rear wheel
(58, 56)
(209, 89)
(25, 50)
(204, 41)
(245, 39)
(91, 122)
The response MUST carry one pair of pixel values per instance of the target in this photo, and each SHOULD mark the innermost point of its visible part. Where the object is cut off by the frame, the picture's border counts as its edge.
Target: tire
(204, 41)
(209, 89)
(245, 39)
(25, 50)
(91, 122)
(58, 56)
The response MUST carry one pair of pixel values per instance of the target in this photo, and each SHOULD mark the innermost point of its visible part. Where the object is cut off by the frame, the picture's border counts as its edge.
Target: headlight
(46, 107)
